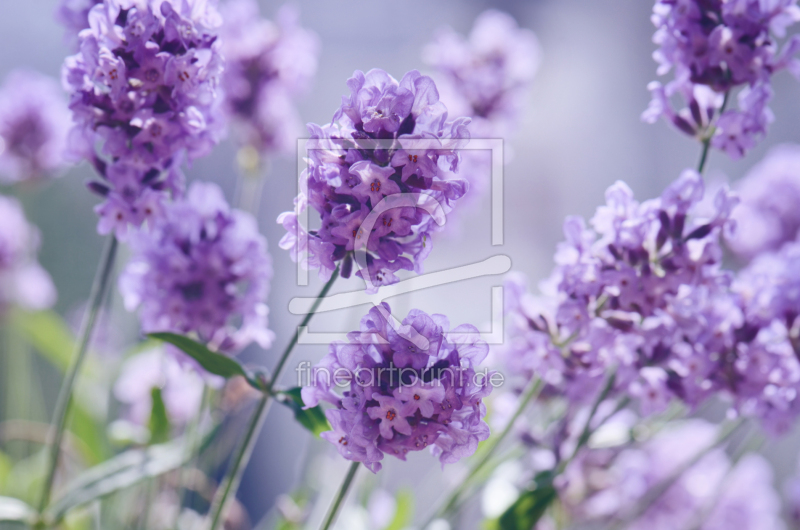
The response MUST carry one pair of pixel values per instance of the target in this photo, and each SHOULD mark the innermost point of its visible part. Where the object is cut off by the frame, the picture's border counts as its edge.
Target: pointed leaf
(159, 422)
(312, 419)
(212, 362)
(530, 506)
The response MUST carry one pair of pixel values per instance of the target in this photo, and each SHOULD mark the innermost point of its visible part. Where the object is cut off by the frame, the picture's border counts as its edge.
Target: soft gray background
(580, 131)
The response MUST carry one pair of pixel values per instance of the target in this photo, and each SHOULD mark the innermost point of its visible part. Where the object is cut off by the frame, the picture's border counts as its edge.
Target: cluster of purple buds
(202, 270)
(267, 65)
(407, 387)
(375, 175)
(715, 47)
(23, 281)
(144, 92)
(640, 294)
(34, 123)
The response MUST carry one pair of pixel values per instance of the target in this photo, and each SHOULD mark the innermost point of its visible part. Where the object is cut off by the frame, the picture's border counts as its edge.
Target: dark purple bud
(696, 115)
(699, 232)
(100, 166)
(98, 188)
(150, 176)
(677, 225)
(347, 265)
(683, 125)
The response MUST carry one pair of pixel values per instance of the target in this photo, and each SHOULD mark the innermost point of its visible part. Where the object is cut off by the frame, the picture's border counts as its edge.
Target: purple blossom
(376, 177)
(144, 91)
(768, 216)
(640, 292)
(34, 123)
(715, 47)
(411, 386)
(268, 64)
(181, 387)
(74, 16)
(22, 280)
(202, 269)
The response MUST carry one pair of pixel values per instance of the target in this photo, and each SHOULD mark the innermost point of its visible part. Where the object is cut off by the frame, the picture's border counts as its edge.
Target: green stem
(587, 428)
(530, 394)
(96, 297)
(242, 456)
(333, 511)
(707, 140)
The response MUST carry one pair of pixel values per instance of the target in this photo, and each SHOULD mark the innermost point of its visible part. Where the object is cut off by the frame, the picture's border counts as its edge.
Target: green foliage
(530, 506)
(404, 513)
(159, 421)
(312, 419)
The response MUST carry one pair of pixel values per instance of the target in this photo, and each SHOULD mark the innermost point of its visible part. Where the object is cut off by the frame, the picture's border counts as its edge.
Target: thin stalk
(530, 394)
(242, 456)
(587, 428)
(707, 140)
(192, 435)
(58, 425)
(333, 511)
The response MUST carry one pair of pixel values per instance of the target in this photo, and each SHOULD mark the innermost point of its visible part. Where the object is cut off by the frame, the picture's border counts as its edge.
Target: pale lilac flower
(202, 269)
(23, 281)
(180, 385)
(349, 177)
(410, 387)
(34, 123)
(268, 64)
(715, 47)
(768, 216)
(74, 16)
(144, 93)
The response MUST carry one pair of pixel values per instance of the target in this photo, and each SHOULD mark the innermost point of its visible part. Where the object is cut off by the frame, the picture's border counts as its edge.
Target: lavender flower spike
(268, 64)
(202, 269)
(22, 280)
(403, 397)
(389, 141)
(34, 123)
(144, 88)
(715, 47)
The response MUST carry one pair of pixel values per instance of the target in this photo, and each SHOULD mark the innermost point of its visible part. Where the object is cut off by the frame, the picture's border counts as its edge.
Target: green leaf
(404, 513)
(530, 506)
(15, 510)
(312, 419)
(48, 333)
(215, 363)
(159, 422)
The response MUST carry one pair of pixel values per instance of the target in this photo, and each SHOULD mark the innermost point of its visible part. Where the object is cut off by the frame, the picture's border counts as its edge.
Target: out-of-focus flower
(268, 64)
(180, 385)
(410, 387)
(768, 216)
(485, 77)
(34, 123)
(710, 494)
(22, 280)
(383, 199)
(714, 47)
(144, 91)
(640, 292)
(202, 269)
(74, 16)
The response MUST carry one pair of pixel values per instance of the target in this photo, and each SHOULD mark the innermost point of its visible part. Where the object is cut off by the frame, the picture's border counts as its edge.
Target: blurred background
(579, 133)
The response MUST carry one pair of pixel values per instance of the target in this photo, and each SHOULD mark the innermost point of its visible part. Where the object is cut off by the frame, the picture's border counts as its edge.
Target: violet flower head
(268, 64)
(23, 281)
(376, 177)
(715, 47)
(34, 123)
(768, 216)
(411, 386)
(144, 90)
(180, 385)
(202, 269)
(640, 292)
(488, 75)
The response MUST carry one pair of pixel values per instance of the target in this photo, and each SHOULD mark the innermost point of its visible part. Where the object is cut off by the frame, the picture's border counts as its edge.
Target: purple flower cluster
(715, 47)
(610, 485)
(34, 123)
(268, 64)
(486, 78)
(768, 216)
(22, 280)
(410, 386)
(144, 88)
(202, 269)
(375, 177)
(641, 292)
